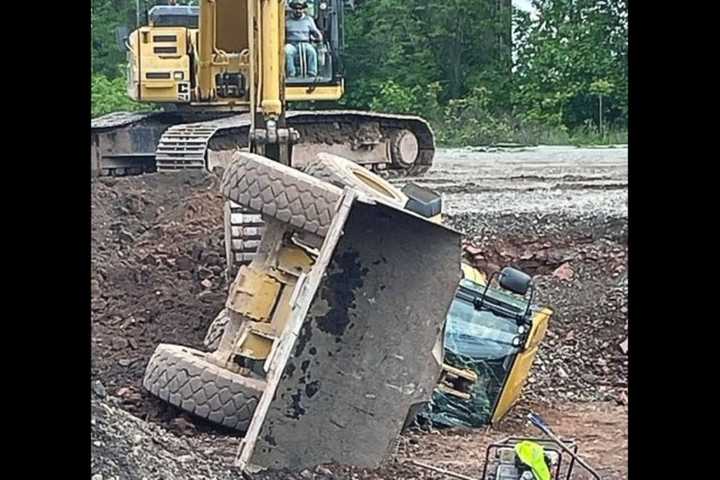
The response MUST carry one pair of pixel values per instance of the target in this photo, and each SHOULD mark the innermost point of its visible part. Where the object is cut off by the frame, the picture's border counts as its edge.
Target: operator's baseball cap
(298, 5)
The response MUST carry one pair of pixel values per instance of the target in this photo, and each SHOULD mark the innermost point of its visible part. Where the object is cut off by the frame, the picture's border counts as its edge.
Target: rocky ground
(558, 213)
(126, 447)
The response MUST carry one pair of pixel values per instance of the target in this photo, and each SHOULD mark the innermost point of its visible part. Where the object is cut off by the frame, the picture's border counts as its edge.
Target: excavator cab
(328, 82)
(328, 16)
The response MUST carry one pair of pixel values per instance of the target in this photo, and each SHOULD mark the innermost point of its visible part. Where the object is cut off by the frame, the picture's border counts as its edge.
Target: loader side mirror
(514, 280)
(121, 36)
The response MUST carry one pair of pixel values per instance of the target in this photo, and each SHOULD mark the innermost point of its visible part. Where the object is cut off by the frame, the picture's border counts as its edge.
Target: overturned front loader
(334, 330)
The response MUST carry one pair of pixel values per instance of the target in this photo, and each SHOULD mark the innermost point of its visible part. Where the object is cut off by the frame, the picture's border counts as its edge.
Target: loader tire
(342, 172)
(216, 330)
(281, 192)
(184, 378)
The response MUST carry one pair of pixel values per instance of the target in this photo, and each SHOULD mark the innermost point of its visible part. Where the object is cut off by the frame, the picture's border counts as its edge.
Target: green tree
(394, 45)
(110, 95)
(384, 44)
(571, 44)
(449, 61)
(105, 17)
(601, 88)
(469, 40)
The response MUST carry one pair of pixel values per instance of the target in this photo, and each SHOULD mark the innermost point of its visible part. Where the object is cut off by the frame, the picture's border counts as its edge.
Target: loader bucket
(361, 345)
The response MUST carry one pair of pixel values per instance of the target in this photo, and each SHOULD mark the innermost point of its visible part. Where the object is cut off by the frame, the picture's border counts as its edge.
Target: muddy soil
(558, 213)
(126, 447)
(157, 276)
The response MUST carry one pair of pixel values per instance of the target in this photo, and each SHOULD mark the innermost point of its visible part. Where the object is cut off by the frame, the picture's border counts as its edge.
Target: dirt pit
(158, 260)
(158, 276)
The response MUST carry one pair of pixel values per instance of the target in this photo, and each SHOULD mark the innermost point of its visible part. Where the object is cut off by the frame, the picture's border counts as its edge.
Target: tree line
(481, 71)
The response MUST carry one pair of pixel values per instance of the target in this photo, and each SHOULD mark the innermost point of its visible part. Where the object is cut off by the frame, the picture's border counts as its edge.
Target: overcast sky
(523, 4)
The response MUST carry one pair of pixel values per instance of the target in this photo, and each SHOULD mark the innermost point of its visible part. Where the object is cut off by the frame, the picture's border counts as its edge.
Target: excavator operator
(299, 30)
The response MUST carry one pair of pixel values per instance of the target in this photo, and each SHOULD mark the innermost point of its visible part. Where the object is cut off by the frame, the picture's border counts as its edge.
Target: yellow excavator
(217, 72)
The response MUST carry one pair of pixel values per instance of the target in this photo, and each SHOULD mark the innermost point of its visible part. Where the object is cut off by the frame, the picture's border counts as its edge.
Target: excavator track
(123, 143)
(133, 143)
(186, 146)
(391, 145)
(182, 147)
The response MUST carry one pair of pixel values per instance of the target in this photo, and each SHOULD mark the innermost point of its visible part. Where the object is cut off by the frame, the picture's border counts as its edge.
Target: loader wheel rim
(375, 185)
(342, 173)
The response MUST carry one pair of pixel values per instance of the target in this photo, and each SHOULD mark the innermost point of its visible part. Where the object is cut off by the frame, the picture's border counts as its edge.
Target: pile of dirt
(124, 446)
(157, 275)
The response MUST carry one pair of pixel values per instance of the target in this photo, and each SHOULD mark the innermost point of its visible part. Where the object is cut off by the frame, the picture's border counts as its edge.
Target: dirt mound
(157, 275)
(124, 446)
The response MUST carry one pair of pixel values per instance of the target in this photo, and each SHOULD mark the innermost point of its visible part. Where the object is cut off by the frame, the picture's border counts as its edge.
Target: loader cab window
(486, 341)
(313, 62)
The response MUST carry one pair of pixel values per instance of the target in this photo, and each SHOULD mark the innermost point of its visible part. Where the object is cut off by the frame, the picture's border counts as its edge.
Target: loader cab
(492, 335)
(328, 83)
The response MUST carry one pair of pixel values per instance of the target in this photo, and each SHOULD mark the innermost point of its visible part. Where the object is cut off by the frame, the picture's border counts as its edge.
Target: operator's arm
(314, 31)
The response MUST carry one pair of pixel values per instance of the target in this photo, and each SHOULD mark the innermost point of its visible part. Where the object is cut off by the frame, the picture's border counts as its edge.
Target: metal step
(243, 231)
